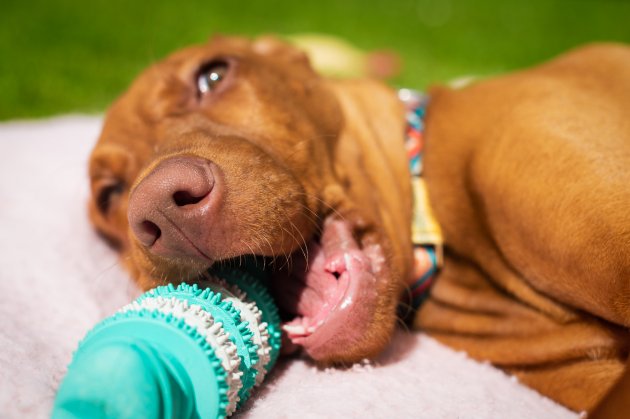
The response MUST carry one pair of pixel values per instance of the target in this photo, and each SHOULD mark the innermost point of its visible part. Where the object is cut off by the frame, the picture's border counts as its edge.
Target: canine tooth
(294, 329)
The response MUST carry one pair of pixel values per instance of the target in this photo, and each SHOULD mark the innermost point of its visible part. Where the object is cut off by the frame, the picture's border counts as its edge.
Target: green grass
(67, 56)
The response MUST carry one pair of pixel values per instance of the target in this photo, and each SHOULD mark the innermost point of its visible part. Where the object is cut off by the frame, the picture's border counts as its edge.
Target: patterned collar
(426, 235)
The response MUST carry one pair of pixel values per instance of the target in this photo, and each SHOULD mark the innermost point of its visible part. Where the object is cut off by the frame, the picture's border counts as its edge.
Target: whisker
(305, 249)
(403, 324)
(325, 204)
(248, 246)
(99, 276)
(258, 239)
(315, 219)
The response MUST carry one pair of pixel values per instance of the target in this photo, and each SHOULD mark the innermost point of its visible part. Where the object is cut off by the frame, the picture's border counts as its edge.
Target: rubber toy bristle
(257, 291)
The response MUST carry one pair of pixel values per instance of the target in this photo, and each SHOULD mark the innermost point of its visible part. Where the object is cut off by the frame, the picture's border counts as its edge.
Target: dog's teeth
(294, 329)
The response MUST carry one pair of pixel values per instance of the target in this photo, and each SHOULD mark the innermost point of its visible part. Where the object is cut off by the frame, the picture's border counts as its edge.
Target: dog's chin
(331, 295)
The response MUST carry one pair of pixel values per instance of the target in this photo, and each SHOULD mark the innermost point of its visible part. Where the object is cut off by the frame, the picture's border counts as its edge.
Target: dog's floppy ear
(370, 161)
(111, 170)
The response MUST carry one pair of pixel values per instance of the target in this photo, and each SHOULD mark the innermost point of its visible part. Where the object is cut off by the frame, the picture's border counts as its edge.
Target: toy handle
(123, 380)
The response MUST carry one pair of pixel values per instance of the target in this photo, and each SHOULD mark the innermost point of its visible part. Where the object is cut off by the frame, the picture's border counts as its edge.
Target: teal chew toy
(176, 352)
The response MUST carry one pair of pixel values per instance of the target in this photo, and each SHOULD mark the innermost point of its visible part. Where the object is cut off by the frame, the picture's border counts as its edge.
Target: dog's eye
(107, 193)
(210, 76)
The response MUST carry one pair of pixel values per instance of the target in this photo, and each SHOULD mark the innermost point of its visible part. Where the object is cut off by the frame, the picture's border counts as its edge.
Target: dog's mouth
(328, 295)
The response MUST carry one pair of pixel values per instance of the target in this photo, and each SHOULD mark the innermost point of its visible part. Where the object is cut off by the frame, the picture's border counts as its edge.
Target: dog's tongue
(316, 288)
(324, 287)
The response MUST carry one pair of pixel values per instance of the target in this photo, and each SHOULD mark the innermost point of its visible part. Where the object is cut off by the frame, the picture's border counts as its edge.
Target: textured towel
(57, 279)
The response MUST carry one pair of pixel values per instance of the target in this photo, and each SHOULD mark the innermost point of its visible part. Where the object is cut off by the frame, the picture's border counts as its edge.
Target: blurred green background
(76, 56)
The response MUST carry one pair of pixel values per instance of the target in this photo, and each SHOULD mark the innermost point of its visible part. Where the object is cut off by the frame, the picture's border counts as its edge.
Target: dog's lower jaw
(373, 338)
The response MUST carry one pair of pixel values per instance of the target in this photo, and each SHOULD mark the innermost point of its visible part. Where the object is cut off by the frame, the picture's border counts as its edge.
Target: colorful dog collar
(426, 235)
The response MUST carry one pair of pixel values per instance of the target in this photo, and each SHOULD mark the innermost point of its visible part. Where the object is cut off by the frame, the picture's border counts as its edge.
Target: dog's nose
(168, 207)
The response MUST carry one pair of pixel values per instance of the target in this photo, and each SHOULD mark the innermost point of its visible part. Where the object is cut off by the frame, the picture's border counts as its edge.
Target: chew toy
(187, 351)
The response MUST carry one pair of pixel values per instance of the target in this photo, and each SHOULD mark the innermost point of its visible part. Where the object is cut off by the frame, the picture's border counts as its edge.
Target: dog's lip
(335, 299)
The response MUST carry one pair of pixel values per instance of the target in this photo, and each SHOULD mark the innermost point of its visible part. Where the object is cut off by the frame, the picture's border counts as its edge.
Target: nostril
(150, 231)
(170, 203)
(183, 198)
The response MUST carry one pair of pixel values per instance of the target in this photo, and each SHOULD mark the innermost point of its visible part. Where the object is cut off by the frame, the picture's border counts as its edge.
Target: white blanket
(58, 279)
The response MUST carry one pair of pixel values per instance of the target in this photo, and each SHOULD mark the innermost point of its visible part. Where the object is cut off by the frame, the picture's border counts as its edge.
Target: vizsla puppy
(239, 148)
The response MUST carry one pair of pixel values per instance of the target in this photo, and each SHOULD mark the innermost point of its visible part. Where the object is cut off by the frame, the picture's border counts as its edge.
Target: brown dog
(239, 148)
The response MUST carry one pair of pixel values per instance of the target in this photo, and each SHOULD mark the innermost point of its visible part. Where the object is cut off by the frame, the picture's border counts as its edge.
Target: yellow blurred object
(336, 57)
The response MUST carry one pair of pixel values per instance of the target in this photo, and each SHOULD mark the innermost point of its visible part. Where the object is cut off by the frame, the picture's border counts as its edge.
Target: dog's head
(237, 148)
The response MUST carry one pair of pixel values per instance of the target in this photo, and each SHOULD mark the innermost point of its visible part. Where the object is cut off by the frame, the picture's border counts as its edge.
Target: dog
(238, 147)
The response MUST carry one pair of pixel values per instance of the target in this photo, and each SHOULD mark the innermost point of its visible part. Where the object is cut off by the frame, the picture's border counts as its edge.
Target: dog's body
(527, 175)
